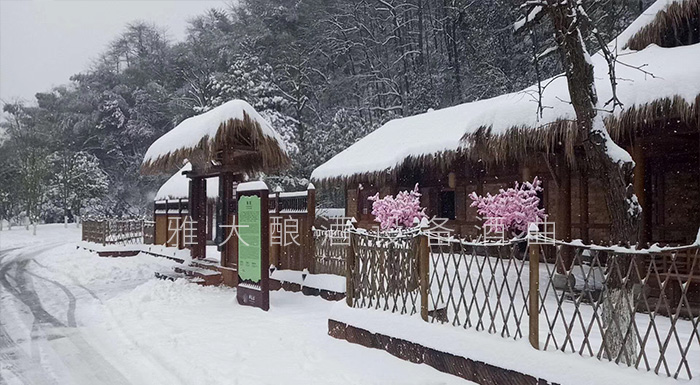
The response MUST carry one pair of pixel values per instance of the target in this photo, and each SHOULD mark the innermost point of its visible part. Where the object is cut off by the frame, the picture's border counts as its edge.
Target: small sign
(253, 249)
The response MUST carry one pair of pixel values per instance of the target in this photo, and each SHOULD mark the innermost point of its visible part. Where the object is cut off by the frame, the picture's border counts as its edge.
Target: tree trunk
(609, 163)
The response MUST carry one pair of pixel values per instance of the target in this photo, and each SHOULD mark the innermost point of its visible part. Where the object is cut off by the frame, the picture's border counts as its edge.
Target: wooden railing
(114, 232)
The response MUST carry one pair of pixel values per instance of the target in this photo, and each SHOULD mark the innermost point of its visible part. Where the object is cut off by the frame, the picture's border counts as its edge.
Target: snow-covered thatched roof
(232, 125)
(178, 186)
(508, 126)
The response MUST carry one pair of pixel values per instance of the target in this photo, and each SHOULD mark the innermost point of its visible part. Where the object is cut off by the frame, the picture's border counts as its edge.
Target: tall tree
(608, 161)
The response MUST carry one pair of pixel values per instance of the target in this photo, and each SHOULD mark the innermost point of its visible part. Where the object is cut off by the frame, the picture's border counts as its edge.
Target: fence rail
(116, 232)
(638, 308)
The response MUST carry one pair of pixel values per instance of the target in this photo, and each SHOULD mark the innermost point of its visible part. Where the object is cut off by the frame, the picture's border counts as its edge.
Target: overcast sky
(44, 42)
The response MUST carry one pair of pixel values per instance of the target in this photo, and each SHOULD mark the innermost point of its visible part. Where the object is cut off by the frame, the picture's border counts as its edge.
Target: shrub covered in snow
(514, 208)
(402, 211)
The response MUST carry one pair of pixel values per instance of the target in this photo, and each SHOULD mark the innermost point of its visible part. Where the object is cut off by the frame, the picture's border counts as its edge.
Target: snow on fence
(115, 232)
(637, 308)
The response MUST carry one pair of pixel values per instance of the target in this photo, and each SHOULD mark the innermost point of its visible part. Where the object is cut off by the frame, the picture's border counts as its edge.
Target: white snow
(251, 186)
(440, 131)
(554, 366)
(131, 328)
(178, 186)
(330, 282)
(205, 126)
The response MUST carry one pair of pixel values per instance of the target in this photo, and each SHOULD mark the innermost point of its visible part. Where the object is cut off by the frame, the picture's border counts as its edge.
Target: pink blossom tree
(514, 208)
(402, 211)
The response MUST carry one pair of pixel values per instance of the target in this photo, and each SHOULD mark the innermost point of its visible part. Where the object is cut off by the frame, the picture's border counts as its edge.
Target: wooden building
(490, 144)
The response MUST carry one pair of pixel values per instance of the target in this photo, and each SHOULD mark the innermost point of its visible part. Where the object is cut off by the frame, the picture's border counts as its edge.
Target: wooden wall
(671, 181)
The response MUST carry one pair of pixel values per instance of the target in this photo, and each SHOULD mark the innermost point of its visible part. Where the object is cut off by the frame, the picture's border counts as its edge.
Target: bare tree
(608, 161)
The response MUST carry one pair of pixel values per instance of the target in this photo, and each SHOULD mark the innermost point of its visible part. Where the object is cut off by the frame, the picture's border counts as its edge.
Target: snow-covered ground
(70, 317)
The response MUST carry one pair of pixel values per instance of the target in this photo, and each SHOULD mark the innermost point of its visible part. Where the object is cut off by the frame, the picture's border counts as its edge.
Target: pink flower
(515, 207)
(402, 211)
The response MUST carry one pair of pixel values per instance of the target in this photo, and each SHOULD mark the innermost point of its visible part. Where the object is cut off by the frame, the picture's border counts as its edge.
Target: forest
(324, 73)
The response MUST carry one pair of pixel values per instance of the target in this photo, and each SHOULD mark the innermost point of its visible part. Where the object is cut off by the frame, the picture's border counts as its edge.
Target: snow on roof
(178, 186)
(187, 135)
(643, 20)
(441, 131)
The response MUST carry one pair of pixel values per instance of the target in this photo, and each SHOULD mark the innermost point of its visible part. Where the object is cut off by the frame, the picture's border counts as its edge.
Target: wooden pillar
(640, 187)
(309, 230)
(583, 205)
(534, 297)
(198, 214)
(424, 271)
(563, 222)
(227, 205)
(276, 247)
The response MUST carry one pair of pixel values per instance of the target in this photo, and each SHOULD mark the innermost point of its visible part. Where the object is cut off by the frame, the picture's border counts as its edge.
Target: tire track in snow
(22, 366)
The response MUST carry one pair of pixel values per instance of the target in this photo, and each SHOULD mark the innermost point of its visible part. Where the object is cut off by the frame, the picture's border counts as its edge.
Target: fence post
(349, 270)
(424, 275)
(534, 291)
(311, 218)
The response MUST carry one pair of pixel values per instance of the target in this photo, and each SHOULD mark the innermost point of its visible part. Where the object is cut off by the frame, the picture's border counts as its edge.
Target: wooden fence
(330, 253)
(638, 308)
(114, 232)
(292, 216)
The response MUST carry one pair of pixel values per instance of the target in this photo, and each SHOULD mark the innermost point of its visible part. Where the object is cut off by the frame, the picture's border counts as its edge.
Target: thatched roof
(232, 128)
(508, 127)
(678, 23)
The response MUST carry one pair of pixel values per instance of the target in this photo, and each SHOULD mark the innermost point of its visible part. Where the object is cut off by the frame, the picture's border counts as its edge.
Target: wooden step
(209, 277)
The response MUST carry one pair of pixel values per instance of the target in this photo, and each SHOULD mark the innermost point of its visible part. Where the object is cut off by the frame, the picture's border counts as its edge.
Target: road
(36, 346)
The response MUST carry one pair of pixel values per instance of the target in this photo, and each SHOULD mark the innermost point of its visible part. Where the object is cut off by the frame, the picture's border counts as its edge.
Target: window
(364, 206)
(446, 205)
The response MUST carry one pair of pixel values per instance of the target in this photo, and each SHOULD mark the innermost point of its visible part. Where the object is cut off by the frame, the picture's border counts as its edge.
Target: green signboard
(249, 234)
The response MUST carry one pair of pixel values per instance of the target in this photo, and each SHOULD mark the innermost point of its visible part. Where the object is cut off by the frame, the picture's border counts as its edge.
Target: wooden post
(563, 222)
(227, 208)
(639, 186)
(424, 272)
(310, 217)
(583, 205)
(534, 291)
(349, 270)
(201, 230)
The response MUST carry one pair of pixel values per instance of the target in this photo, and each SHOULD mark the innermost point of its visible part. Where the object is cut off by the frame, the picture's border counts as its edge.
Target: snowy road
(70, 317)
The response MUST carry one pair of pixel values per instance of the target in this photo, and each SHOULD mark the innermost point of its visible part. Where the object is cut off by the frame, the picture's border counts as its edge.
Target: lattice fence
(638, 308)
(331, 252)
(480, 286)
(384, 273)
